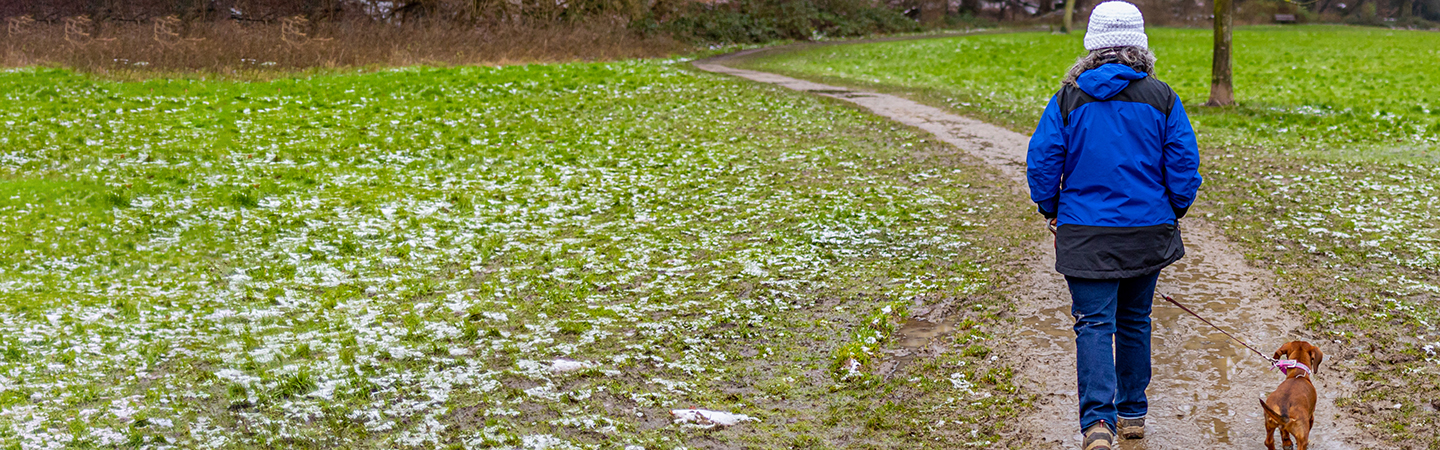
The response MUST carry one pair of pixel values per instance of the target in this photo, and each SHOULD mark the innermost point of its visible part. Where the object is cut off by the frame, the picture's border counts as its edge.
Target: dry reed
(232, 48)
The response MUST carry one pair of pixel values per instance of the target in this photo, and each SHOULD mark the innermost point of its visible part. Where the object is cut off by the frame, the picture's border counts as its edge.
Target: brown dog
(1291, 408)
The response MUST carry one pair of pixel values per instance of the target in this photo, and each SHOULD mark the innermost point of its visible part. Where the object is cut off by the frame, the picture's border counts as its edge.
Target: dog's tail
(1272, 413)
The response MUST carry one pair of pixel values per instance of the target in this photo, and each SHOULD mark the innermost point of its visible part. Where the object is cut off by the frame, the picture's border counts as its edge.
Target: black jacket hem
(1117, 274)
(1107, 253)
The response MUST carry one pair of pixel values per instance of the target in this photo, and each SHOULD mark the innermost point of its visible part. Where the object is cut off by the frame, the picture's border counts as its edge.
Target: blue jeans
(1106, 312)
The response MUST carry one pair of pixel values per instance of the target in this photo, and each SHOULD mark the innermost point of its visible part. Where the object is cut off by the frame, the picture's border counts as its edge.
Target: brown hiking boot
(1099, 437)
(1132, 428)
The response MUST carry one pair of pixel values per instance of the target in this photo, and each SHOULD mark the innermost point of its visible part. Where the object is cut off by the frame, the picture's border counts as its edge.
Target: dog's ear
(1284, 351)
(1315, 357)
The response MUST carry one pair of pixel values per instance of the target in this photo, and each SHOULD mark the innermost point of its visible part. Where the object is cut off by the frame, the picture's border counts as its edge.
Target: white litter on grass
(707, 419)
(565, 365)
(852, 370)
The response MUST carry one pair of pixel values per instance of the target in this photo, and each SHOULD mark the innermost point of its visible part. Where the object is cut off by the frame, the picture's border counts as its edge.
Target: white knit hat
(1115, 24)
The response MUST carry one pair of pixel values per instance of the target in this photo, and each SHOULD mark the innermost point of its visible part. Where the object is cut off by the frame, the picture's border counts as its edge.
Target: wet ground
(1204, 390)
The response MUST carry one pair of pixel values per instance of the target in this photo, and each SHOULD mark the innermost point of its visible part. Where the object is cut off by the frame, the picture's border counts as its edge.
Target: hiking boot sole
(1132, 428)
(1132, 433)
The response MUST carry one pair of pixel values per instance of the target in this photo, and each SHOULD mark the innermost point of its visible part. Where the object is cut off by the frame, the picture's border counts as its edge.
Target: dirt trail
(1204, 389)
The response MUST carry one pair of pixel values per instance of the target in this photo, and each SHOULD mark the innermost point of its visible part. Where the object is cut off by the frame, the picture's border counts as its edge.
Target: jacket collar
(1107, 80)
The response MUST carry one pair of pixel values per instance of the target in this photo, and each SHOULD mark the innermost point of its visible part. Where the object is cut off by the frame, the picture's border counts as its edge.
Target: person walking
(1113, 165)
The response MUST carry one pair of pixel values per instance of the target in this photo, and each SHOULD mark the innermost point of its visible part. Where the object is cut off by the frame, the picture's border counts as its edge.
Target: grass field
(1336, 90)
(1326, 171)
(523, 257)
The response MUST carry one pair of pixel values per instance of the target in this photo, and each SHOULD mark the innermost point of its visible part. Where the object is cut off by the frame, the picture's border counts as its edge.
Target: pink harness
(1285, 365)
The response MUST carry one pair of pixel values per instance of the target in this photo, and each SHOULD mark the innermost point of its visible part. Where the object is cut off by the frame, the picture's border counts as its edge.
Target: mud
(916, 333)
(1204, 388)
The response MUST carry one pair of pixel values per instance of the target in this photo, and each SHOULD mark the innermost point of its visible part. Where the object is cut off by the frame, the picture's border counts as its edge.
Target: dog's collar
(1285, 365)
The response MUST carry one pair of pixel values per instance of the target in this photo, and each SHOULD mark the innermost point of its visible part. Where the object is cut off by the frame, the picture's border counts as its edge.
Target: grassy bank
(530, 256)
(1326, 171)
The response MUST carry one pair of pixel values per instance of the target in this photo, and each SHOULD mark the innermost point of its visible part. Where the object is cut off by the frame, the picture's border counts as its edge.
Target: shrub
(1365, 16)
(751, 21)
(1430, 9)
(1263, 12)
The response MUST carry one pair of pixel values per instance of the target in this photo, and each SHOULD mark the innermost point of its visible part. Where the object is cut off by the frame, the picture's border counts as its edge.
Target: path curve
(1204, 389)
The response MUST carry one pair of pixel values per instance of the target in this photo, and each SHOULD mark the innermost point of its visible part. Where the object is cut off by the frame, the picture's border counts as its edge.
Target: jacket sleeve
(1182, 160)
(1045, 161)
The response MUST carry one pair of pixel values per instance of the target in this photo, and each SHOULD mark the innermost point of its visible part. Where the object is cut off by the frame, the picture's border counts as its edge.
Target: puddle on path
(915, 333)
(912, 340)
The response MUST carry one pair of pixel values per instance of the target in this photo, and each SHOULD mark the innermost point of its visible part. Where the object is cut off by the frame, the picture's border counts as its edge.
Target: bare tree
(1222, 90)
(1069, 15)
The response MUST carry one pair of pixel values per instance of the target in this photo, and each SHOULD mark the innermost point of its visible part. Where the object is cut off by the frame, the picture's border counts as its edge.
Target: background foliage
(235, 36)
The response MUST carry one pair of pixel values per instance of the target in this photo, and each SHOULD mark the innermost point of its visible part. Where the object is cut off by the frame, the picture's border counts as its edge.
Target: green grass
(1326, 171)
(399, 258)
(1337, 90)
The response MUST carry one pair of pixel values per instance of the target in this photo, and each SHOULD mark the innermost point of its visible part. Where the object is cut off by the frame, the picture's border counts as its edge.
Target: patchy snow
(565, 365)
(707, 418)
(326, 266)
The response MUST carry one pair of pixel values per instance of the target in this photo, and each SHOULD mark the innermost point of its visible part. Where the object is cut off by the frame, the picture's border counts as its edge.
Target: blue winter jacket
(1115, 160)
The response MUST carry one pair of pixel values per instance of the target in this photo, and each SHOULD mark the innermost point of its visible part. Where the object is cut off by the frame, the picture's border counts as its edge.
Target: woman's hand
(1054, 238)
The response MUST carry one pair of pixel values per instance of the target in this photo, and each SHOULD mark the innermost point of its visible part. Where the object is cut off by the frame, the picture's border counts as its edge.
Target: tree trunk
(932, 12)
(973, 6)
(1222, 91)
(1069, 15)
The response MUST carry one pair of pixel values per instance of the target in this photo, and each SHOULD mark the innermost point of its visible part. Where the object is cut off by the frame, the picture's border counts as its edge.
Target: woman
(1114, 166)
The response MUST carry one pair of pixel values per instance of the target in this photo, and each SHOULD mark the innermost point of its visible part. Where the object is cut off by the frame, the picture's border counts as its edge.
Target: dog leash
(1272, 361)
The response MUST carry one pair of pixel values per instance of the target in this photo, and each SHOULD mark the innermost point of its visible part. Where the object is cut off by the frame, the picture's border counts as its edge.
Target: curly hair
(1139, 58)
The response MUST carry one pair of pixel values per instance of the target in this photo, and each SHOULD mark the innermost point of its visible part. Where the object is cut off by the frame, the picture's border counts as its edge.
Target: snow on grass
(706, 419)
(1353, 218)
(526, 257)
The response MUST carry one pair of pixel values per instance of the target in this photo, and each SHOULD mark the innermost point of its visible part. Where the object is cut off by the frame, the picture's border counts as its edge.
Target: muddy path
(1204, 389)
